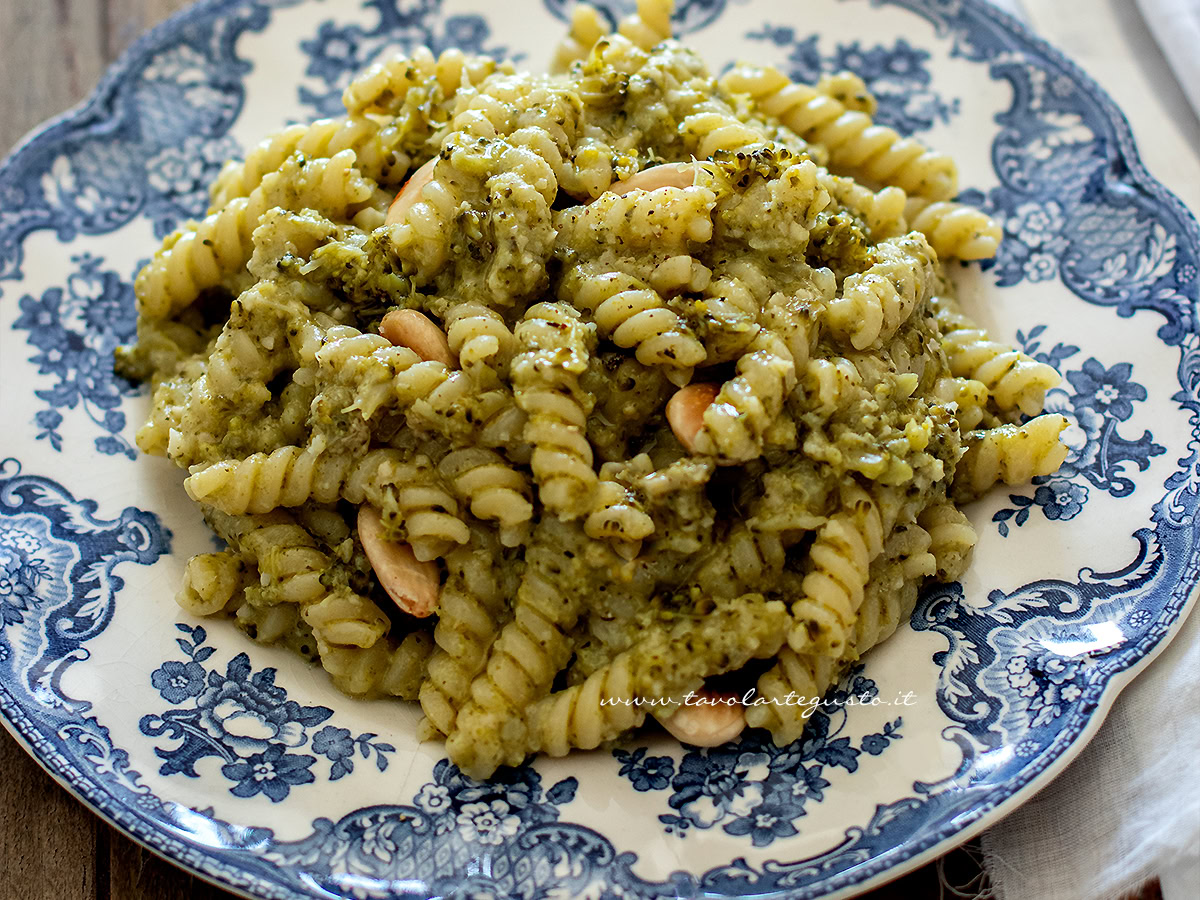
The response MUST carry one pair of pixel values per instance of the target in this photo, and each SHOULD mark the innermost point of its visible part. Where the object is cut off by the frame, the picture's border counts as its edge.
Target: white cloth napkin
(1176, 27)
(1128, 808)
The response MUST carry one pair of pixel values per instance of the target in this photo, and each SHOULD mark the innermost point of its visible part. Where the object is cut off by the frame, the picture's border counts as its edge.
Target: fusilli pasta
(551, 401)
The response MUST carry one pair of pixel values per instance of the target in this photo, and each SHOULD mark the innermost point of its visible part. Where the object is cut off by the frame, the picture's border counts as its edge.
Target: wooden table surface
(51, 847)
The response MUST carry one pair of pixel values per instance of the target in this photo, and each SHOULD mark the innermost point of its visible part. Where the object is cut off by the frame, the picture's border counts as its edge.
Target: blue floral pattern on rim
(1102, 399)
(245, 719)
(1117, 239)
(336, 52)
(58, 585)
(750, 787)
(454, 819)
(688, 15)
(898, 75)
(147, 142)
(75, 329)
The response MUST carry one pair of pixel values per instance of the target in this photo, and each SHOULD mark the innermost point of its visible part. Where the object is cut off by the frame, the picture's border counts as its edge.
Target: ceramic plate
(244, 765)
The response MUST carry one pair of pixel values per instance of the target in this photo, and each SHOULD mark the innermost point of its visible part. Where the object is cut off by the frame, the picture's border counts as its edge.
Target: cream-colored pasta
(618, 515)
(388, 667)
(479, 334)
(472, 609)
(210, 582)
(555, 346)
(1012, 454)
(215, 251)
(525, 656)
(587, 27)
(848, 89)
(968, 396)
(892, 587)
(876, 302)
(640, 376)
(882, 211)
(668, 217)
(288, 476)
(650, 24)
(267, 624)
(633, 315)
(857, 146)
(747, 557)
(494, 490)
(376, 151)
(603, 706)
(419, 508)
(955, 229)
(384, 87)
(951, 538)
(788, 689)
(345, 618)
(1013, 379)
(288, 559)
(840, 558)
(748, 405)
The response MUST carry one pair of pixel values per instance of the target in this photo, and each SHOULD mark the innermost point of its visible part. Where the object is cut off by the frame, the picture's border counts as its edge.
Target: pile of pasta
(545, 400)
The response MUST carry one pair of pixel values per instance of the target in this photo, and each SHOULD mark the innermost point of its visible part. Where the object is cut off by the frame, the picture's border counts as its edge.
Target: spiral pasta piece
(385, 86)
(875, 303)
(508, 186)
(216, 250)
(748, 405)
(376, 152)
(1010, 453)
(556, 345)
(649, 25)
(490, 729)
(1013, 379)
(633, 315)
(892, 588)
(708, 132)
(606, 703)
(968, 396)
(840, 558)
(288, 476)
(471, 611)
(747, 557)
(665, 218)
(787, 692)
(280, 623)
(587, 27)
(464, 409)
(882, 211)
(373, 374)
(286, 556)
(386, 668)
(951, 538)
(619, 517)
(345, 618)
(856, 145)
(211, 581)
(493, 489)
(848, 89)
(418, 508)
(478, 334)
(956, 230)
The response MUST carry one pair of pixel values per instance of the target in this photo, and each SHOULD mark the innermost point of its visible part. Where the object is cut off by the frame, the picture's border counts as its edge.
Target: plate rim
(1126, 151)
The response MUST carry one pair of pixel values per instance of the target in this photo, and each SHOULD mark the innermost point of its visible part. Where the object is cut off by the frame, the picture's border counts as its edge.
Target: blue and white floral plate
(244, 765)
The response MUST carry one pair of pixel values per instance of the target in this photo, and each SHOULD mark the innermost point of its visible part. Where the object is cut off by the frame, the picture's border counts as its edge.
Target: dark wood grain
(54, 52)
(47, 840)
(51, 846)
